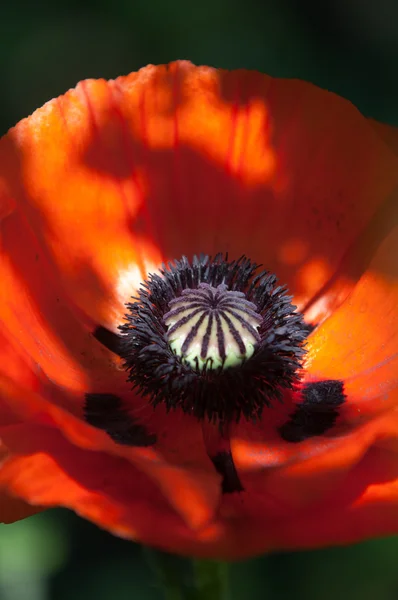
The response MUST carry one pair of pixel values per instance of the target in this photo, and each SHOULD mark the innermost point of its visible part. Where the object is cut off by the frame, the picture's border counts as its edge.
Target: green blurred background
(348, 46)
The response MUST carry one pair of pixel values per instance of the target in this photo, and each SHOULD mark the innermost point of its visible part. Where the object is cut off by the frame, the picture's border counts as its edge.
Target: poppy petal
(388, 133)
(40, 324)
(51, 472)
(63, 193)
(79, 480)
(361, 501)
(178, 160)
(18, 365)
(359, 342)
(358, 509)
(344, 478)
(194, 493)
(13, 509)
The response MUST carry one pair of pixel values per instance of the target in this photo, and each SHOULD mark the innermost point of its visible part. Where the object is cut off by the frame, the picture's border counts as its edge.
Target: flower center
(212, 327)
(215, 338)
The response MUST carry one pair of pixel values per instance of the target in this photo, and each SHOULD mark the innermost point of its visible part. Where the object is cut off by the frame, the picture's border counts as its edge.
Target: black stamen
(241, 365)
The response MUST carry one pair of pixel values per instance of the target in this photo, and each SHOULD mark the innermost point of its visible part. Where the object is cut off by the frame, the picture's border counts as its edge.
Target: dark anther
(317, 413)
(215, 338)
(106, 412)
(225, 467)
(107, 338)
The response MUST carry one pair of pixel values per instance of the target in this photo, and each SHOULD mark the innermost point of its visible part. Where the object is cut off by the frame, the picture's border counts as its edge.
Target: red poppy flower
(209, 416)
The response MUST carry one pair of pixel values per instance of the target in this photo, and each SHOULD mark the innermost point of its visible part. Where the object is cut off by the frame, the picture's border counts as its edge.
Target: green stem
(212, 579)
(173, 574)
(186, 579)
